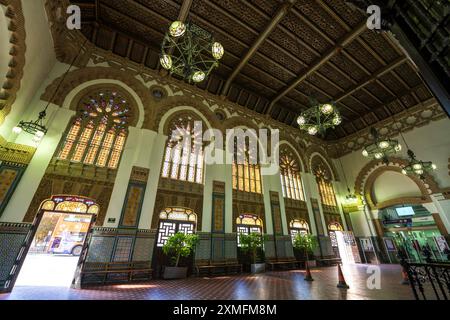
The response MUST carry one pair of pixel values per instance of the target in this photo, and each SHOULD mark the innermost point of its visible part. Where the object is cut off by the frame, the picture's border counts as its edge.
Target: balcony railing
(428, 281)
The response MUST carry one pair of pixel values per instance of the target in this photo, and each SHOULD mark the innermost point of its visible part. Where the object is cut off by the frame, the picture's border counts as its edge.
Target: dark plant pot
(175, 272)
(258, 267)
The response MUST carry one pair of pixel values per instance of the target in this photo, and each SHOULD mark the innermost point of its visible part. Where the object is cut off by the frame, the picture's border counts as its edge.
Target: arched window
(173, 220)
(291, 182)
(183, 157)
(298, 226)
(246, 224)
(246, 175)
(326, 189)
(98, 134)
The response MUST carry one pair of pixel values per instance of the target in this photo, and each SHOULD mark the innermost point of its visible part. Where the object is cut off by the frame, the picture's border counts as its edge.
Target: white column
(228, 198)
(26, 189)
(156, 145)
(267, 205)
(312, 191)
(137, 152)
(273, 183)
(442, 207)
(340, 191)
(213, 172)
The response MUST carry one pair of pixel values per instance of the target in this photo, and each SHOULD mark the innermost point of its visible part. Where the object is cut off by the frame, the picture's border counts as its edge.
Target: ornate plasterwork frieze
(18, 154)
(418, 116)
(371, 171)
(11, 84)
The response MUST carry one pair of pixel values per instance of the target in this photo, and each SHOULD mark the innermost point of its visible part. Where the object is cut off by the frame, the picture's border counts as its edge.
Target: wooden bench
(110, 272)
(217, 268)
(328, 261)
(284, 264)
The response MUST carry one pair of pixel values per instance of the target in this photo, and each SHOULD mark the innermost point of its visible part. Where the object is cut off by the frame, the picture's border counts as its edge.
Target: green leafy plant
(250, 243)
(180, 245)
(306, 243)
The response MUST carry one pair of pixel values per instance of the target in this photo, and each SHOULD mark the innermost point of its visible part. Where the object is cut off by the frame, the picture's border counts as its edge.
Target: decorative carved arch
(314, 151)
(237, 121)
(298, 148)
(11, 85)
(287, 148)
(317, 160)
(371, 171)
(83, 75)
(165, 105)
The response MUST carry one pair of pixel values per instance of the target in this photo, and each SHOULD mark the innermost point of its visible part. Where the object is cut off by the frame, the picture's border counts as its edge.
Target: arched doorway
(333, 227)
(298, 226)
(247, 224)
(171, 221)
(58, 242)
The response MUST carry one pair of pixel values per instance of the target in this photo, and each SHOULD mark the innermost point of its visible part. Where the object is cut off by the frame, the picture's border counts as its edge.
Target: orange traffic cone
(342, 284)
(405, 277)
(308, 276)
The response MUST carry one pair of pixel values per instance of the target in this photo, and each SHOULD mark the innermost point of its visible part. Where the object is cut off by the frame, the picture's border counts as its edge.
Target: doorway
(171, 221)
(59, 241)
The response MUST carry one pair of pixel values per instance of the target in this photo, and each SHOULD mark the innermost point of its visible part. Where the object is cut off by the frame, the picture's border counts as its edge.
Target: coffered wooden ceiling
(277, 53)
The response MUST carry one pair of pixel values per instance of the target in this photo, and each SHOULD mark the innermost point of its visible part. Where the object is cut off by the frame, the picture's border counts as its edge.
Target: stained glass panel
(95, 144)
(117, 150)
(82, 143)
(185, 163)
(70, 140)
(106, 148)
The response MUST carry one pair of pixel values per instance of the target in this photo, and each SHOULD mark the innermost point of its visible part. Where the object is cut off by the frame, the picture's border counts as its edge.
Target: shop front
(412, 229)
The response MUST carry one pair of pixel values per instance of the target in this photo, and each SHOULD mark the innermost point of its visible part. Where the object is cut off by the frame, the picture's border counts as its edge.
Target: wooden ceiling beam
(371, 51)
(320, 62)
(371, 78)
(312, 26)
(184, 10)
(335, 16)
(281, 13)
(285, 30)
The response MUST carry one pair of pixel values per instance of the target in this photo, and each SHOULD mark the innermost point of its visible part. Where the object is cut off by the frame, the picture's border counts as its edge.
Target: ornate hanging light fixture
(319, 118)
(37, 127)
(190, 51)
(417, 167)
(381, 148)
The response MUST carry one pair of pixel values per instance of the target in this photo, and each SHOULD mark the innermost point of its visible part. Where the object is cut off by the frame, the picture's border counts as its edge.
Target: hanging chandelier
(381, 148)
(417, 167)
(36, 127)
(319, 118)
(190, 51)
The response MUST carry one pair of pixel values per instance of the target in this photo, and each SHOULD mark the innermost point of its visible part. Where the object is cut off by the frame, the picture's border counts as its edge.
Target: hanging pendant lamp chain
(42, 113)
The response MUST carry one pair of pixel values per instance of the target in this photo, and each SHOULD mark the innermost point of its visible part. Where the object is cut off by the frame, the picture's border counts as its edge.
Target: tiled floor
(286, 285)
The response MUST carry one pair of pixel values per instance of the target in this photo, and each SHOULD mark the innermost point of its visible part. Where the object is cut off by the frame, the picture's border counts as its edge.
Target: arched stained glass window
(183, 158)
(246, 175)
(326, 189)
(291, 182)
(98, 134)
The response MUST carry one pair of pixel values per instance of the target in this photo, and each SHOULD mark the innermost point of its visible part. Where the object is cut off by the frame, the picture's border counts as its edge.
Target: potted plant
(306, 244)
(250, 244)
(177, 246)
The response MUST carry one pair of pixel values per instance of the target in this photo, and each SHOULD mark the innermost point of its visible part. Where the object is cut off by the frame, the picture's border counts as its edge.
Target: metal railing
(428, 280)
